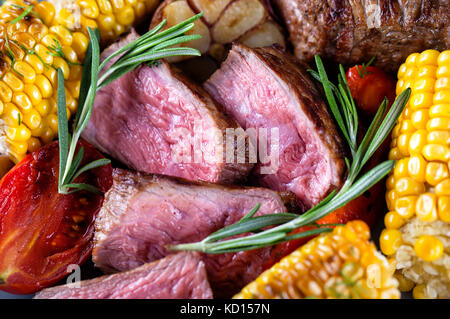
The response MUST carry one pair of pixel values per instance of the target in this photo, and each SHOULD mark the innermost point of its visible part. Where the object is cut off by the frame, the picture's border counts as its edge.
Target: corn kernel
(428, 248)
(404, 284)
(35, 63)
(401, 169)
(428, 57)
(60, 63)
(63, 34)
(47, 135)
(25, 39)
(442, 84)
(43, 52)
(427, 71)
(390, 241)
(32, 119)
(392, 220)
(412, 59)
(443, 70)
(13, 82)
(18, 148)
(33, 92)
(417, 168)
(46, 11)
(5, 92)
(436, 152)
(11, 114)
(421, 100)
(439, 123)
(417, 142)
(406, 206)
(43, 107)
(403, 144)
(444, 58)
(406, 186)
(104, 6)
(126, 16)
(443, 188)
(424, 85)
(420, 118)
(19, 133)
(391, 197)
(38, 31)
(436, 172)
(402, 71)
(444, 208)
(33, 144)
(390, 182)
(89, 8)
(419, 292)
(22, 101)
(441, 97)
(426, 207)
(44, 86)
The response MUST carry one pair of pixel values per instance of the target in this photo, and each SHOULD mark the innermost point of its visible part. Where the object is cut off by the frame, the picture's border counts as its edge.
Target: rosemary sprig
(148, 48)
(272, 230)
(57, 51)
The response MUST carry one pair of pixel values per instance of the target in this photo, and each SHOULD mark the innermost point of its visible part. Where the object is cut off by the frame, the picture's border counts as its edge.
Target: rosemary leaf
(63, 130)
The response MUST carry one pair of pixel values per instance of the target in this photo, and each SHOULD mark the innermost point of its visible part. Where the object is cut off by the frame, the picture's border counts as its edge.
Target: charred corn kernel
(419, 199)
(38, 31)
(428, 248)
(390, 241)
(404, 284)
(33, 144)
(340, 264)
(392, 220)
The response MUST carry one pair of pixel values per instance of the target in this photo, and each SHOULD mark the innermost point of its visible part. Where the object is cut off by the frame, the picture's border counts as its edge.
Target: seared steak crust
(351, 32)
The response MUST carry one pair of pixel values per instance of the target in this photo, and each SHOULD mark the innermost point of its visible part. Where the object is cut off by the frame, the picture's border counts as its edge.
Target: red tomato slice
(41, 231)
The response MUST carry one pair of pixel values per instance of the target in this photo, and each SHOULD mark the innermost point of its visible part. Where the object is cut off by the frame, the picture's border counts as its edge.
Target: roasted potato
(223, 22)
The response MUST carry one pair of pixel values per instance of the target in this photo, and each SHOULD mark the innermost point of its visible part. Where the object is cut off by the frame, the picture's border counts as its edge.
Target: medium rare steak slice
(351, 32)
(142, 214)
(266, 88)
(179, 276)
(155, 120)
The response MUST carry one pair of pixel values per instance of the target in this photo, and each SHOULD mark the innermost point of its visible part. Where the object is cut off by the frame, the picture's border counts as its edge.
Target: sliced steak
(155, 120)
(267, 88)
(351, 32)
(179, 276)
(142, 214)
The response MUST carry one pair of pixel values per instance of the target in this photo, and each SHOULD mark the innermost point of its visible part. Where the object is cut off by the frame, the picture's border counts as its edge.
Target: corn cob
(340, 264)
(33, 46)
(417, 234)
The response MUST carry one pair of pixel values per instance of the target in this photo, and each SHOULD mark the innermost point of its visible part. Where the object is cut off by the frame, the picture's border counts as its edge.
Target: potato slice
(264, 35)
(240, 17)
(178, 11)
(212, 9)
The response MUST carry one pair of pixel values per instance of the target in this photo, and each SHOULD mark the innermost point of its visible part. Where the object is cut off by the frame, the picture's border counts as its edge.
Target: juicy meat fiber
(152, 117)
(142, 214)
(267, 88)
(179, 276)
(351, 32)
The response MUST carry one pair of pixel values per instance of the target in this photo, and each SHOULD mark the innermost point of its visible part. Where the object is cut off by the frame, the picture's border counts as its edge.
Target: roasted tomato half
(41, 231)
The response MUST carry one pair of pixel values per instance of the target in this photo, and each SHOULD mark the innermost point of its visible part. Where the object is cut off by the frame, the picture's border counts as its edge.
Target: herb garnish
(363, 70)
(343, 108)
(148, 48)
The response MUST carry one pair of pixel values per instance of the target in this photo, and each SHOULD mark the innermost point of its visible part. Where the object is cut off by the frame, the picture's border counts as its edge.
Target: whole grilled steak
(179, 276)
(142, 214)
(351, 32)
(266, 88)
(155, 120)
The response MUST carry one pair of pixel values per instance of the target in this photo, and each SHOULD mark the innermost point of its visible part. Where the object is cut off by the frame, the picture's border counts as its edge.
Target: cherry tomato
(41, 231)
(369, 86)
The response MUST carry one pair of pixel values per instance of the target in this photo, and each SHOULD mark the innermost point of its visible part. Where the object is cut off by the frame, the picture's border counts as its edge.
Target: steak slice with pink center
(155, 120)
(142, 214)
(267, 88)
(179, 276)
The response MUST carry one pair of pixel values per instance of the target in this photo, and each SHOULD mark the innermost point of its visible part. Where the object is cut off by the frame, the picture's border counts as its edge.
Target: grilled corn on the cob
(340, 264)
(417, 233)
(35, 40)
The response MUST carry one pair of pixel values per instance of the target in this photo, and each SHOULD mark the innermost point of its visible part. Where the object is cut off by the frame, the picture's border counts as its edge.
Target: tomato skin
(370, 90)
(41, 231)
